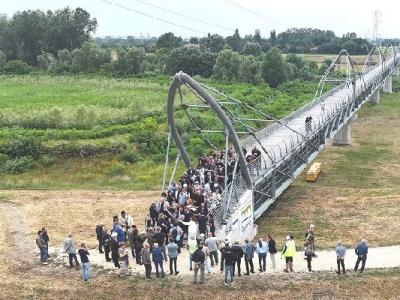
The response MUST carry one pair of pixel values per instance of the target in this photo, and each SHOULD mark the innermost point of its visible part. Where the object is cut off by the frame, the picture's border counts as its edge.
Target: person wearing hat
(114, 249)
(289, 250)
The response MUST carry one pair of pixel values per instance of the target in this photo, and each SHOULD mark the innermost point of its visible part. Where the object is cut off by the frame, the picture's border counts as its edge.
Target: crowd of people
(154, 247)
(183, 217)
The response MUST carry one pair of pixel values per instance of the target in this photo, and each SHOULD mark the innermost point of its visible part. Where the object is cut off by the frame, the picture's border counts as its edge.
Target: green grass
(61, 117)
(94, 173)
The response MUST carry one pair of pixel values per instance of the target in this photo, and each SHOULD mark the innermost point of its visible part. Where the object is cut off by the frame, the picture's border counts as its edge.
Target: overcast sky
(222, 16)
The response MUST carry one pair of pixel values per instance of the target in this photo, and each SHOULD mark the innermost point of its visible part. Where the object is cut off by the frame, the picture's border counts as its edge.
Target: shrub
(19, 165)
(116, 169)
(47, 160)
(21, 146)
(129, 156)
(17, 67)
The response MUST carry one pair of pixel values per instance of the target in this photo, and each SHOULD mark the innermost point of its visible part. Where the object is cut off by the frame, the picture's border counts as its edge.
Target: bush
(19, 165)
(17, 67)
(117, 169)
(47, 160)
(129, 156)
(21, 146)
(3, 61)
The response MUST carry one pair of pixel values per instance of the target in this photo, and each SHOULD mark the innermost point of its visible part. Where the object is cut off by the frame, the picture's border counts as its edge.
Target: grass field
(77, 127)
(357, 194)
(320, 58)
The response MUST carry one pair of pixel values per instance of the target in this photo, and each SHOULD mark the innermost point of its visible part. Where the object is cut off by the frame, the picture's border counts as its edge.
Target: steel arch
(183, 78)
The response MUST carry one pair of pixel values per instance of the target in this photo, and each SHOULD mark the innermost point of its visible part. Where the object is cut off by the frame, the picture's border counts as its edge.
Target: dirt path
(16, 232)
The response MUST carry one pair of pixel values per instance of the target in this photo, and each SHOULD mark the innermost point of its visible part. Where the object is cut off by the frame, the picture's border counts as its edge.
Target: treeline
(59, 42)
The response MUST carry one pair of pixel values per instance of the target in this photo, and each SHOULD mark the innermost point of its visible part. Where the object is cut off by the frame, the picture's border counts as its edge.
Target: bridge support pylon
(387, 85)
(343, 136)
(376, 97)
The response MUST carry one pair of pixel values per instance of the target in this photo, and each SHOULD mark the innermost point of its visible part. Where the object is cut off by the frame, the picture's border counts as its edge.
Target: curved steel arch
(351, 73)
(183, 78)
(367, 63)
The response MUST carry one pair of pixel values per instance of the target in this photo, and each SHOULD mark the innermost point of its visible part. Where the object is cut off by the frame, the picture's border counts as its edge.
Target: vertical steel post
(166, 161)
(226, 157)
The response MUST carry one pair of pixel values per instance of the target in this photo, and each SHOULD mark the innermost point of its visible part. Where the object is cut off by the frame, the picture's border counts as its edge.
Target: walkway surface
(381, 257)
(275, 143)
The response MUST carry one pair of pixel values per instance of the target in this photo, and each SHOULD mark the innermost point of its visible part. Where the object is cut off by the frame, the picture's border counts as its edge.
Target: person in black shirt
(99, 235)
(83, 254)
(198, 258)
(230, 260)
(238, 251)
(202, 221)
(272, 251)
(159, 238)
(114, 250)
(106, 240)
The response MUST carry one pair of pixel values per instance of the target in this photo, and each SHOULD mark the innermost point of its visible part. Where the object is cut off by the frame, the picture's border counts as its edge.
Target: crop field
(97, 132)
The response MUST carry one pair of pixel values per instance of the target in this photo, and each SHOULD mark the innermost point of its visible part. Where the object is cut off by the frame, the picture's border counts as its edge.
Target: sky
(141, 17)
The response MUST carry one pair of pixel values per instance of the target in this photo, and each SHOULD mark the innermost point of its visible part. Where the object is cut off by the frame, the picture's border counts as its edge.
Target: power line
(186, 16)
(152, 17)
(256, 13)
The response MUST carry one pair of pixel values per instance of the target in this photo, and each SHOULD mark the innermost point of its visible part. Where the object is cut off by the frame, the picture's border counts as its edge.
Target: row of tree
(272, 67)
(59, 42)
(31, 33)
(294, 40)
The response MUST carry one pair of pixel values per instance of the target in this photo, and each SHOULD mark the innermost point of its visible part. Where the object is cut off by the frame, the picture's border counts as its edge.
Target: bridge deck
(275, 143)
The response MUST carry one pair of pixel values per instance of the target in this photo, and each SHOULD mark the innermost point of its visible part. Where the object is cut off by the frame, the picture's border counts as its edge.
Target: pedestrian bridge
(288, 145)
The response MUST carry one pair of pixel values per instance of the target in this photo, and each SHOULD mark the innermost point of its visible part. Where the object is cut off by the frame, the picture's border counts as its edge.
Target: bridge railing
(331, 122)
(224, 206)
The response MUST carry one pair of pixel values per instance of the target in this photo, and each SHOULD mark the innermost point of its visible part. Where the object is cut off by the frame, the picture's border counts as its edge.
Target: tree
(213, 43)
(3, 61)
(30, 30)
(257, 36)
(190, 60)
(250, 70)
(8, 39)
(194, 41)
(300, 68)
(252, 49)
(46, 61)
(235, 41)
(129, 62)
(227, 66)
(169, 41)
(272, 38)
(274, 68)
(68, 29)
(89, 58)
